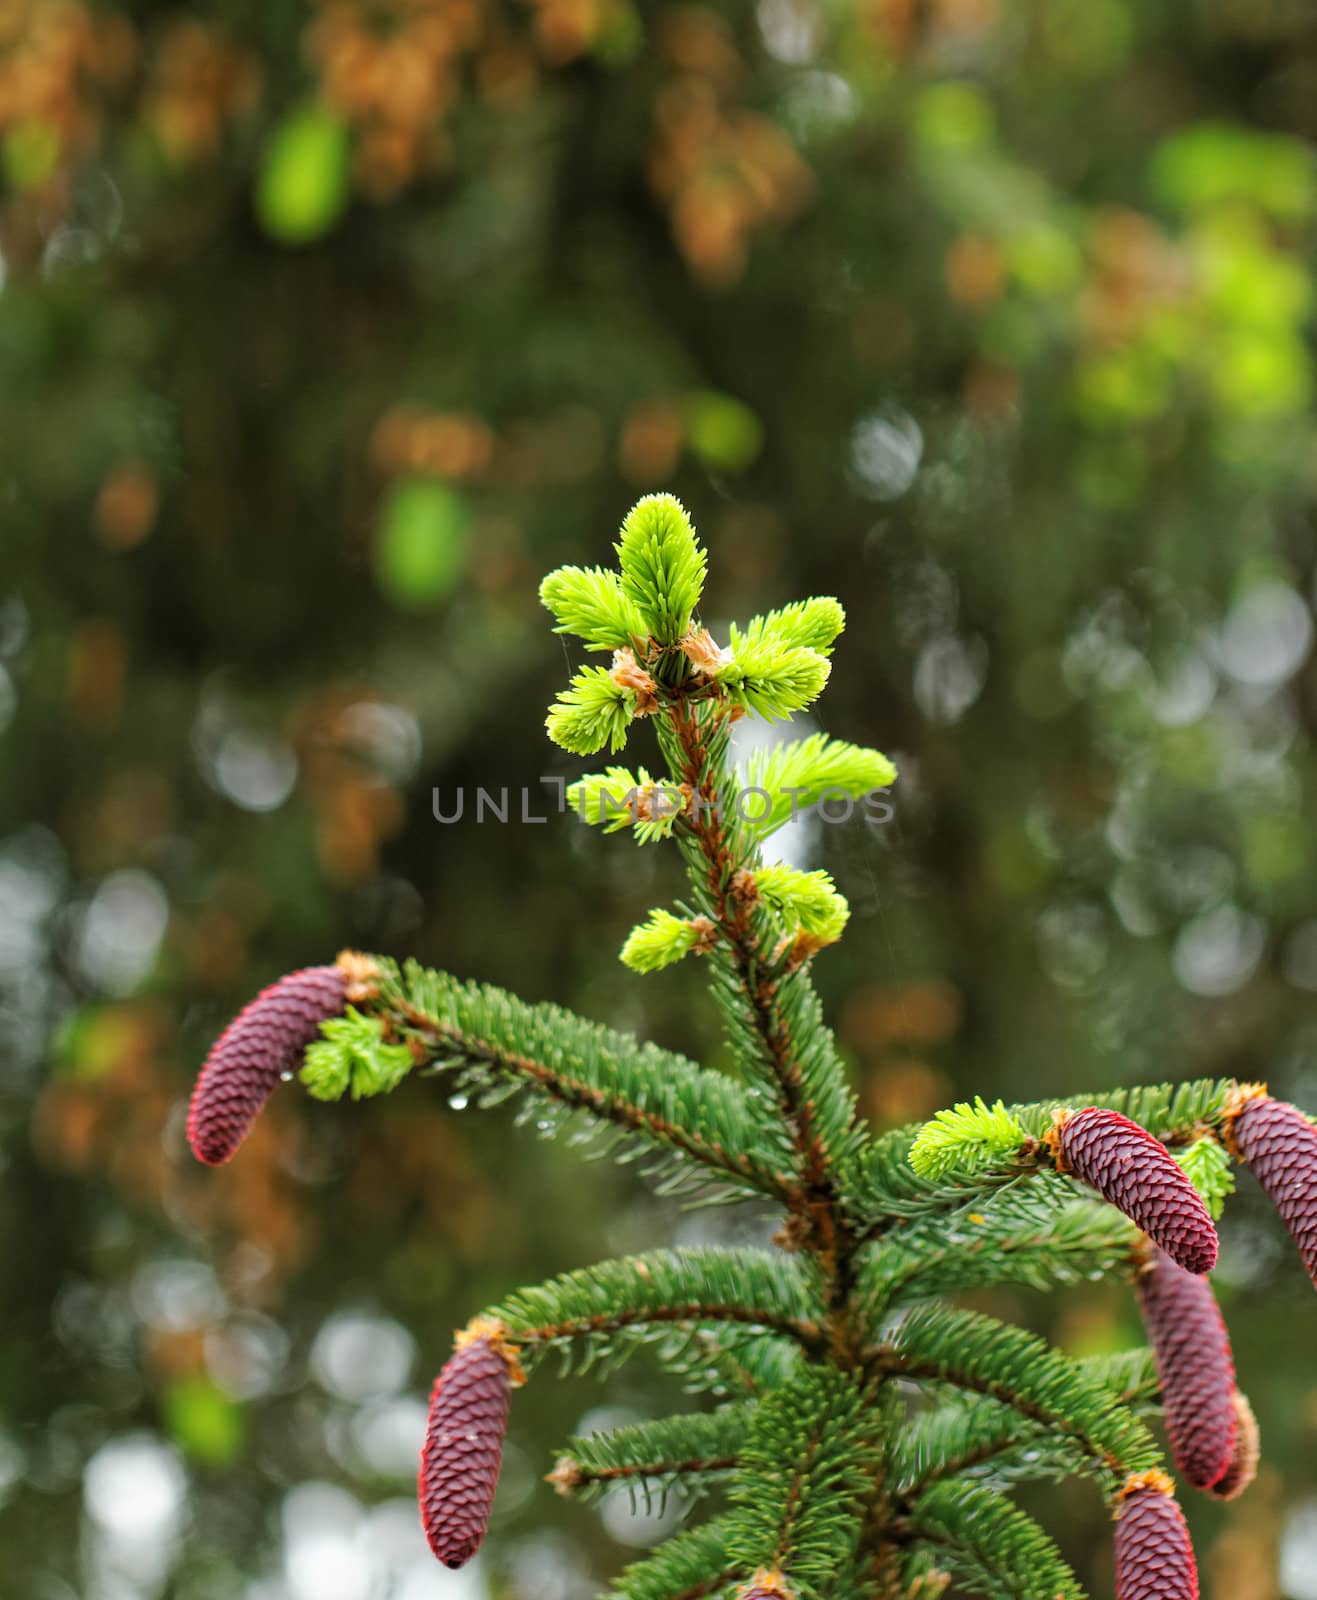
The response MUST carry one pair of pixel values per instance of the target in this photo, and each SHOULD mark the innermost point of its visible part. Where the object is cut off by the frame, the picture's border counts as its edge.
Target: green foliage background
(325, 330)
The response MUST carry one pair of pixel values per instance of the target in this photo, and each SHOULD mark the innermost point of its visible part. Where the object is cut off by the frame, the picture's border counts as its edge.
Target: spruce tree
(864, 1431)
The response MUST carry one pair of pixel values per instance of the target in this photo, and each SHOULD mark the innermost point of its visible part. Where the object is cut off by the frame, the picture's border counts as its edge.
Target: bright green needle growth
(663, 940)
(774, 679)
(617, 799)
(966, 1139)
(352, 1056)
(805, 900)
(593, 711)
(812, 623)
(591, 603)
(1209, 1168)
(801, 772)
(663, 565)
(606, 799)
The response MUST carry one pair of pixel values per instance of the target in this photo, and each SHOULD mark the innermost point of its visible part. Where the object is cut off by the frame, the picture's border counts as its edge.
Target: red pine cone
(1279, 1144)
(1132, 1170)
(464, 1447)
(1195, 1365)
(1154, 1558)
(265, 1040)
(1246, 1455)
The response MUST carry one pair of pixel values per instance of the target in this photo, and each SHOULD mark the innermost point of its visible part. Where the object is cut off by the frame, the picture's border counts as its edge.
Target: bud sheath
(767, 1584)
(265, 1040)
(1246, 1455)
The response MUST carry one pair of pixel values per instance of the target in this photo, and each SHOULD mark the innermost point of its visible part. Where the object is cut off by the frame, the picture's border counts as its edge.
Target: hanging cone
(1132, 1170)
(1279, 1145)
(266, 1039)
(464, 1441)
(1195, 1365)
(1154, 1558)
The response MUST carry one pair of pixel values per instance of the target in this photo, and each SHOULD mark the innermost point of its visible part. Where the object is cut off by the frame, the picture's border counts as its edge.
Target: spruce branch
(800, 1491)
(799, 773)
(693, 1565)
(977, 1353)
(805, 902)
(773, 1019)
(599, 1315)
(772, 678)
(993, 1547)
(697, 1452)
(887, 1191)
(728, 1362)
(976, 1435)
(500, 1047)
(1130, 1375)
(1036, 1240)
(922, 1579)
(771, 1013)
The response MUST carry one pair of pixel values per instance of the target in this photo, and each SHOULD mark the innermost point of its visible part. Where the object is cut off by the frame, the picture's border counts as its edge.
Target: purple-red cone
(1132, 1170)
(1245, 1457)
(464, 1441)
(1278, 1143)
(1154, 1556)
(266, 1039)
(1195, 1365)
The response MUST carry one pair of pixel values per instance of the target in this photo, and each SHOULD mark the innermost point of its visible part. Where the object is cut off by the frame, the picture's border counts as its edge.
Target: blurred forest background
(328, 326)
